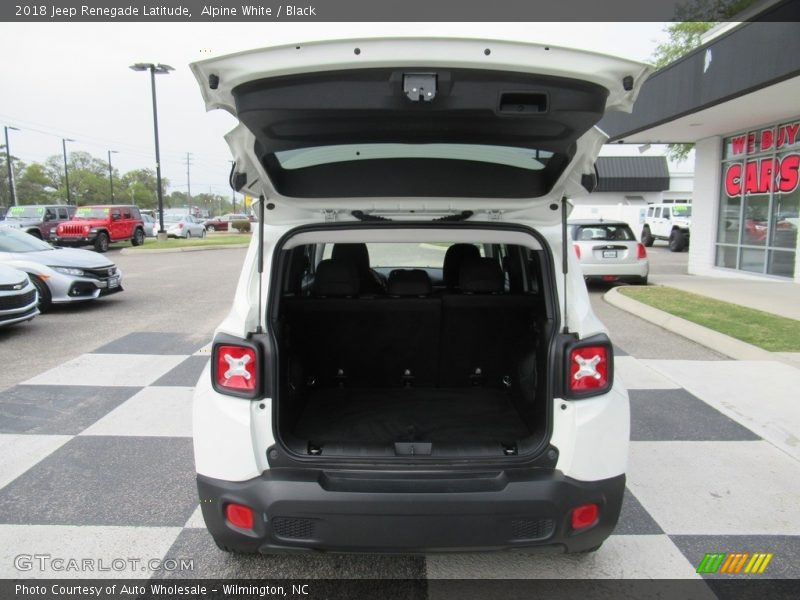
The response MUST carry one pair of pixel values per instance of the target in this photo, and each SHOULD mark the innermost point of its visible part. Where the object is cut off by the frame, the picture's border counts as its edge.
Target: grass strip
(765, 330)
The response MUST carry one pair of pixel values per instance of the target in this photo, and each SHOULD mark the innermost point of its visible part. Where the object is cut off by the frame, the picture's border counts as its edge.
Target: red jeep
(101, 225)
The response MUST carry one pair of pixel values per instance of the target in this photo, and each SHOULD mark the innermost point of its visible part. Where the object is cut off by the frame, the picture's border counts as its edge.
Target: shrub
(241, 226)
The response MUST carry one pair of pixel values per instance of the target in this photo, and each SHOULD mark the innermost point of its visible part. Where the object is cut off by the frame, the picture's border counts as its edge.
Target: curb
(131, 251)
(719, 342)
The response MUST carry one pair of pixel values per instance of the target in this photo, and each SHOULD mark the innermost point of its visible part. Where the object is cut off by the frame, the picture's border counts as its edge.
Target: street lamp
(156, 69)
(11, 190)
(66, 170)
(111, 174)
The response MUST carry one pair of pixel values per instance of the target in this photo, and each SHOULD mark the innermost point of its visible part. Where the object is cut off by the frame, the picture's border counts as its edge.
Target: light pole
(111, 174)
(11, 191)
(66, 169)
(160, 70)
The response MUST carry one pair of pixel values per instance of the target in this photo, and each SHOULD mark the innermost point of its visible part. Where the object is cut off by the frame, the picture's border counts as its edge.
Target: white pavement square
(620, 557)
(717, 488)
(761, 395)
(21, 452)
(196, 520)
(109, 370)
(154, 411)
(83, 543)
(638, 376)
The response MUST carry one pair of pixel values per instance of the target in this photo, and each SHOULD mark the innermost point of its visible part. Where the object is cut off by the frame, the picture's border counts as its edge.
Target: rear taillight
(588, 368)
(577, 250)
(640, 251)
(180, 225)
(236, 369)
(239, 515)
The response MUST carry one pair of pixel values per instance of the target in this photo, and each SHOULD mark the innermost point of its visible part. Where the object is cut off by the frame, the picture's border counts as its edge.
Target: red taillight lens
(577, 250)
(585, 516)
(180, 225)
(236, 368)
(640, 251)
(240, 515)
(588, 368)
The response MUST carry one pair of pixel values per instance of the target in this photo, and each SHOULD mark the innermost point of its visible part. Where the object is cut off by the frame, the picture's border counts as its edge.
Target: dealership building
(737, 98)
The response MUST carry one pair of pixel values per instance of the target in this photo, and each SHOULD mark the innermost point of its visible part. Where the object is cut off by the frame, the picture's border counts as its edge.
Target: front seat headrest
(409, 282)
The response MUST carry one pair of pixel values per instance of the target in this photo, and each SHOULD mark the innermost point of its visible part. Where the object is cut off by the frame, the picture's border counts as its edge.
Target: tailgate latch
(419, 86)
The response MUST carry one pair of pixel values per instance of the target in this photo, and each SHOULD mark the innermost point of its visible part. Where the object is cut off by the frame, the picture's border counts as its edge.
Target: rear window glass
(522, 158)
(603, 233)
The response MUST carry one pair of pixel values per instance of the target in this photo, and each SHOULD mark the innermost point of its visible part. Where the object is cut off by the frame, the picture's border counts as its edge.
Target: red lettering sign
(780, 137)
(767, 137)
(763, 175)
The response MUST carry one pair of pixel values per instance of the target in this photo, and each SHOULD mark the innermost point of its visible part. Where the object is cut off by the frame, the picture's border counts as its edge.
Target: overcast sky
(72, 80)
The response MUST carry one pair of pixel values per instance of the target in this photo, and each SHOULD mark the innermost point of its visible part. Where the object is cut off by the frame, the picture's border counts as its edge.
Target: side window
(135, 213)
(658, 213)
(115, 214)
(63, 214)
(650, 211)
(665, 213)
(126, 213)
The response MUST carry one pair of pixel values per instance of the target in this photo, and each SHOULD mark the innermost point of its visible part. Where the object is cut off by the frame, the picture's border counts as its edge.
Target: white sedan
(183, 226)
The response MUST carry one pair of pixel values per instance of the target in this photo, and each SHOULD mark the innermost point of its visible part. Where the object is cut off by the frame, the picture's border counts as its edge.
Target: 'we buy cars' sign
(778, 173)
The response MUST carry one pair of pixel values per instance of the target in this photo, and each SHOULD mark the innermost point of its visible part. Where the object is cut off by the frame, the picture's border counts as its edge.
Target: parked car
(608, 251)
(150, 225)
(670, 222)
(38, 220)
(221, 223)
(18, 298)
(185, 226)
(100, 226)
(338, 414)
(60, 275)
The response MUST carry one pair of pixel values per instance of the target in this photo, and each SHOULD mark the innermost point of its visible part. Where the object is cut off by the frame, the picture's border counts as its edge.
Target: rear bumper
(635, 270)
(385, 512)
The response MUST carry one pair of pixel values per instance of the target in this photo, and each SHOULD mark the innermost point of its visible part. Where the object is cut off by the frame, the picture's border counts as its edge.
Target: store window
(760, 200)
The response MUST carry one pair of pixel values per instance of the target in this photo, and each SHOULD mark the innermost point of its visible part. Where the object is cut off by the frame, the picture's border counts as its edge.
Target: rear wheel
(101, 242)
(45, 298)
(210, 228)
(138, 237)
(188, 234)
(642, 280)
(677, 242)
(203, 233)
(647, 237)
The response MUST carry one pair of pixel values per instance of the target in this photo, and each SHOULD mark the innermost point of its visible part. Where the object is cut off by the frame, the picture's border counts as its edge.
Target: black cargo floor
(466, 415)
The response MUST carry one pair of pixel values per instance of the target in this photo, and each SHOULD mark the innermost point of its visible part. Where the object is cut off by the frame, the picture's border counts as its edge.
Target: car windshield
(603, 233)
(25, 212)
(12, 240)
(86, 213)
(681, 210)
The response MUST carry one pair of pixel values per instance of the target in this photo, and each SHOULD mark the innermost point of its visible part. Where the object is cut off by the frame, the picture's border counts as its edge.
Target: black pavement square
(185, 374)
(677, 415)
(784, 564)
(51, 409)
(211, 562)
(147, 342)
(634, 518)
(99, 480)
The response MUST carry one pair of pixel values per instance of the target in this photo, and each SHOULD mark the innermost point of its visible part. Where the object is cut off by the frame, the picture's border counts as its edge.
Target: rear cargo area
(450, 368)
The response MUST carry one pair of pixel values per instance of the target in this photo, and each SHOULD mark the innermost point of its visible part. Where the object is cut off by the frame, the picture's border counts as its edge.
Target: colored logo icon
(735, 563)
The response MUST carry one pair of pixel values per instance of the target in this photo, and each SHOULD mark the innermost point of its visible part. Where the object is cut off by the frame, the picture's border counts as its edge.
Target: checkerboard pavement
(97, 463)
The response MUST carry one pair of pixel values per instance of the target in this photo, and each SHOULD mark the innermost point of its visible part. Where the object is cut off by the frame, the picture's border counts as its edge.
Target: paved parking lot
(98, 457)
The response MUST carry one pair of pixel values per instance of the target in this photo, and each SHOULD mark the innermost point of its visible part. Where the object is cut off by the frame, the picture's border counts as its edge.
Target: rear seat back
(341, 338)
(485, 332)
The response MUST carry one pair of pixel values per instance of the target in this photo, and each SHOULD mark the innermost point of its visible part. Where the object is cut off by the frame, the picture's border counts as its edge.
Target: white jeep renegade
(411, 363)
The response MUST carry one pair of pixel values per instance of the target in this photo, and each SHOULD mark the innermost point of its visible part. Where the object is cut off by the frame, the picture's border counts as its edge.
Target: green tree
(141, 188)
(88, 178)
(18, 167)
(33, 186)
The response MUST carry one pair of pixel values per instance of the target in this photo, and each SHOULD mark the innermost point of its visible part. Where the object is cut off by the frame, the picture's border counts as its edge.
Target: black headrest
(409, 282)
(453, 259)
(481, 276)
(335, 278)
(352, 253)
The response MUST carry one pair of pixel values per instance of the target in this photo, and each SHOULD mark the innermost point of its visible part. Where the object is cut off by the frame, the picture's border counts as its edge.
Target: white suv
(411, 362)
(670, 222)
